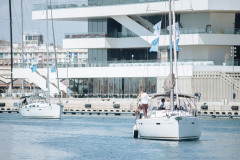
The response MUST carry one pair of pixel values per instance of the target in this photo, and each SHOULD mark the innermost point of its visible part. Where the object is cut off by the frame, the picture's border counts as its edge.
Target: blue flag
(53, 66)
(34, 68)
(177, 36)
(75, 55)
(177, 30)
(157, 29)
(155, 44)
(177, 48)
(34, 65)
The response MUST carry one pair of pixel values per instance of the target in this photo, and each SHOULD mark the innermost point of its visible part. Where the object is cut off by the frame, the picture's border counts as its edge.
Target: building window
(113, 87)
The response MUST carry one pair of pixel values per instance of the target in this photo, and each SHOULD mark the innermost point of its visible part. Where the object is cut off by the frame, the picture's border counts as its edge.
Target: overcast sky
(60, 27)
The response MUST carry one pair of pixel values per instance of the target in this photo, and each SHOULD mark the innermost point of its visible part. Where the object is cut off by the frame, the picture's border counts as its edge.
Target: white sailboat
(167, 122)
(39, 107)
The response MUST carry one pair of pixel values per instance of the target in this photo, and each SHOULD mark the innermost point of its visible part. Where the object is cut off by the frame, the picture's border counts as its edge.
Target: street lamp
(233, 54)
(132, 58)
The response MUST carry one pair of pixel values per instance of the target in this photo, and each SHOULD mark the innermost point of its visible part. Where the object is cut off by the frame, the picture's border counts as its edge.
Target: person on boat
(139, 106)
(144, 99)
(162, 107)
(24, 102)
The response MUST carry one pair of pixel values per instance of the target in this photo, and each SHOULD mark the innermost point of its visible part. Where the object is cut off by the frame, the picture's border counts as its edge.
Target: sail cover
(169, 83)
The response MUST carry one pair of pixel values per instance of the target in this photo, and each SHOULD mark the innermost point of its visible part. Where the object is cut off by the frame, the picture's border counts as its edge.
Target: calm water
(109, 137)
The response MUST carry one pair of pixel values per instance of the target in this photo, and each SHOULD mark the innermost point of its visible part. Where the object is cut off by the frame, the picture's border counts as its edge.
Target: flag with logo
(34, 65)
(53, 69)
(157, 29)
(155, 44)
(157, 32)
(177, 30)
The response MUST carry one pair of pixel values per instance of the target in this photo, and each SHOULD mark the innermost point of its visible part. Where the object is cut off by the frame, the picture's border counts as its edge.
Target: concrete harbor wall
(125, 106)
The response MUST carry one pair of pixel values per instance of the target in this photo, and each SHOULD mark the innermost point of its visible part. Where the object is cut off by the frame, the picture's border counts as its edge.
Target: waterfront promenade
(115, 106)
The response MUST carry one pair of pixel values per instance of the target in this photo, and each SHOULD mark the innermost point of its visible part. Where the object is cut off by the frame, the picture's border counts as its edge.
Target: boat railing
(89, 3)
(185, 105)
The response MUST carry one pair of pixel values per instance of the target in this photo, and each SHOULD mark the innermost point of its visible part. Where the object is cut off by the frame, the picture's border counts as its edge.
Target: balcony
(137, 63)
(188, 36)
(163, 32)
(90, 3)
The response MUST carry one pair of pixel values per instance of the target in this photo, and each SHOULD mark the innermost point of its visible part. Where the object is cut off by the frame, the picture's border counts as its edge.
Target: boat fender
(135, 132)
(167, 115)
(213, 116)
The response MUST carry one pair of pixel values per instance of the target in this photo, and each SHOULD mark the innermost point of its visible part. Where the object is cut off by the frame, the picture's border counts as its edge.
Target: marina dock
(125, 107)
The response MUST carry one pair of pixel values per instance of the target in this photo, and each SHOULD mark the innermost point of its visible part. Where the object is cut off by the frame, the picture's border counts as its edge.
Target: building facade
(119, 38)
(34, 49)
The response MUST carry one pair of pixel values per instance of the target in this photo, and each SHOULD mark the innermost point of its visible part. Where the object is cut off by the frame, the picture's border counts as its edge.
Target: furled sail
(169, 83)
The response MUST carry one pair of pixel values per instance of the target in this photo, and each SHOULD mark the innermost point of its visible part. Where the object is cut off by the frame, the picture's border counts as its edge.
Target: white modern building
(119, 38)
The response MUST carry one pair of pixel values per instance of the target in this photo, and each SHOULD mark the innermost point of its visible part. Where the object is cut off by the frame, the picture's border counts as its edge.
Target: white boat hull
(164, 128)
(53, 111)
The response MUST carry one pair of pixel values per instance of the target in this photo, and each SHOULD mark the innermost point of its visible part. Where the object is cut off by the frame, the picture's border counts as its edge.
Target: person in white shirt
(144, 99)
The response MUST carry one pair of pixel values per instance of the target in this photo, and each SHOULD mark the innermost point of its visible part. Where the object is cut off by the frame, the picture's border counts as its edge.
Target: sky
(60, 27)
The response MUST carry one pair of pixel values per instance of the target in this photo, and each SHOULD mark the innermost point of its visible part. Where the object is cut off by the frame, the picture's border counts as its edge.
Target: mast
(10, 14)
(55, 53)
(170, 42)
(48, 86)
(22, 46)
(175, 52)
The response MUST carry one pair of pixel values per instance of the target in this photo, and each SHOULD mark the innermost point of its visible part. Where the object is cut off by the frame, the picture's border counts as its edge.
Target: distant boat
(178, 122)
(39, 107)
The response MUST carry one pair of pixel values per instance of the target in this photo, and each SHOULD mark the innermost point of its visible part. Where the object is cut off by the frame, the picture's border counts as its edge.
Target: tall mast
(170, 42)
(55, 53)
(10, 14)
(48, 86)
(22, 45)
(175, 52)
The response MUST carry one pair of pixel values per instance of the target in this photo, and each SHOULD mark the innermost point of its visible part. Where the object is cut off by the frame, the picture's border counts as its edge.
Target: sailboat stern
(170, 128)
(158, 128)
(190, 128)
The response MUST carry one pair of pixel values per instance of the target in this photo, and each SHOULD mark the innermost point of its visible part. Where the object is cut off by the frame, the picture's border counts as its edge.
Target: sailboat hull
(52, 111)
(172, 128)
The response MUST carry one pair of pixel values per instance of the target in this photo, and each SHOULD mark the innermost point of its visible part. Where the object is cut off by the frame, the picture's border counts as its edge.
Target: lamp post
(233, 54)
(132, 58)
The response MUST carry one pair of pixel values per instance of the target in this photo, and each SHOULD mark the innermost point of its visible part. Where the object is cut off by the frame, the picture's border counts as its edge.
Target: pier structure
(105, 106)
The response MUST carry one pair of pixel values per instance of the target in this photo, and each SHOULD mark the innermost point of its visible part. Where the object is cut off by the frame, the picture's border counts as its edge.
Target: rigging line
(28, 15)
(4, 19)
(165, 23)
(54, 46)
(190, 3)
(147, 37)
(18, 26)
